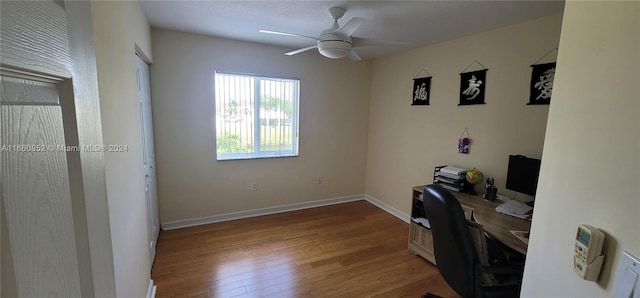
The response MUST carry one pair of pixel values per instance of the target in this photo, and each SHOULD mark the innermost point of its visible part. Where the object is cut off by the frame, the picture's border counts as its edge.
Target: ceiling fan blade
(350, 27)
(366, 42)
(298, 51)
(285, 34)
(354, 56)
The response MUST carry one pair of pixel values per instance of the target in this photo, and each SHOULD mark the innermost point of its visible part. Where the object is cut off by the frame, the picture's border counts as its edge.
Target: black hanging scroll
(472, 86)
(421, 89)
(542, 76)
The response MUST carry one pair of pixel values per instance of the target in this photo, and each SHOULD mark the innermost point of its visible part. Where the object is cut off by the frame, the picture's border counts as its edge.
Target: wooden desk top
(495, 223)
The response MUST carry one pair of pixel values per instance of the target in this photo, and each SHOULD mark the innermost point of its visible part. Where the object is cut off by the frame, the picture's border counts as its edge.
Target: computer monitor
(522, 174)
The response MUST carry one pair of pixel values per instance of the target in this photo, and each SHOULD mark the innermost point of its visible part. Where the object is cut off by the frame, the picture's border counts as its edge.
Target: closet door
(144, 103)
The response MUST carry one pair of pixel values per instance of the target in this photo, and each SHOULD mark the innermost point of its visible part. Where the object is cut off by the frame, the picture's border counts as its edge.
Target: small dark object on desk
(490, 190)
(490, 193)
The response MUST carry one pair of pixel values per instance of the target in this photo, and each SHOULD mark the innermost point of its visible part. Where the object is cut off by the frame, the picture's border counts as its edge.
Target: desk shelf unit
(420, 239)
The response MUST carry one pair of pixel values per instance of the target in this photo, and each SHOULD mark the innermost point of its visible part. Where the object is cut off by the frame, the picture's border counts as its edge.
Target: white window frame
(257, 121)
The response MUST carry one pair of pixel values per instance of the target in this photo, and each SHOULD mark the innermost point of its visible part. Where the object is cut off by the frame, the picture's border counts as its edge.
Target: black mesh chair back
(457, 255)
(453, 246)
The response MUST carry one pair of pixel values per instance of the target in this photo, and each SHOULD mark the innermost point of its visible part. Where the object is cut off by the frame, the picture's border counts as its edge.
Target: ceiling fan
(337, 41)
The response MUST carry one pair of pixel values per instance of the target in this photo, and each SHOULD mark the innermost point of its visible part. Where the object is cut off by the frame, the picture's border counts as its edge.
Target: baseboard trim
(393, 211)
(151, 290)
(184, 223)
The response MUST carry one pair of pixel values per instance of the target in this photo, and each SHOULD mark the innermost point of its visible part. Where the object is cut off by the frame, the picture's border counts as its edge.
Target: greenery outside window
(256, 117)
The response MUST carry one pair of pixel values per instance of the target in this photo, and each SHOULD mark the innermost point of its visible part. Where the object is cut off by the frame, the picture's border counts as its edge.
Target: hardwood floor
(347, 250)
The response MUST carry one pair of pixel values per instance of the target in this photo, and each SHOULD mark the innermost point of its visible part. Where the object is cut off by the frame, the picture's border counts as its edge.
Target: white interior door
(47, 236)
(36, 191)
(144, 103)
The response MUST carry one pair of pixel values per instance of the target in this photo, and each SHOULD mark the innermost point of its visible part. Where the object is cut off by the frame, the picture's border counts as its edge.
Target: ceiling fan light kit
(335, 42)
(334, 48)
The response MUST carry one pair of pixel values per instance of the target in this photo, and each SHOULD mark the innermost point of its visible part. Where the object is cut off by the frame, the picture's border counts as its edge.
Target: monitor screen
(522, 174)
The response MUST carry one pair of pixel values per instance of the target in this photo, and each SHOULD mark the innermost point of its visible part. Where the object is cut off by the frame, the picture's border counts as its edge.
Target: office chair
(455, 252)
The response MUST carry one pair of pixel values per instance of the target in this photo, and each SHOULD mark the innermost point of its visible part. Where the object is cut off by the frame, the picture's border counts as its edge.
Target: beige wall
(406, 142)
(118, 26)
(591, 161)
(334, 97)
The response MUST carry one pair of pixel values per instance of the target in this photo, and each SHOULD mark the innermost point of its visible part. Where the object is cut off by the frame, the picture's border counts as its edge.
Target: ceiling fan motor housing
(334, 46)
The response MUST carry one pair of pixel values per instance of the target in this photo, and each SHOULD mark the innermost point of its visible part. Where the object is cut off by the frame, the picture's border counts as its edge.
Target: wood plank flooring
(347, 250)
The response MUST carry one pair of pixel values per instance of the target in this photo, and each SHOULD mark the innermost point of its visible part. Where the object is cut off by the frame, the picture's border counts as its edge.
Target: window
(256, 117)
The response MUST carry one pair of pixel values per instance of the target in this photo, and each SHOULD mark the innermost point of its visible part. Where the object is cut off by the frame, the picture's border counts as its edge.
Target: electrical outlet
(254, 186)
(320, 180)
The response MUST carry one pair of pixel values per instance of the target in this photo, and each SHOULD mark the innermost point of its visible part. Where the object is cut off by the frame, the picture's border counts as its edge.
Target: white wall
(118, 26)
(334, 97)
(591, 161)
(406, 142)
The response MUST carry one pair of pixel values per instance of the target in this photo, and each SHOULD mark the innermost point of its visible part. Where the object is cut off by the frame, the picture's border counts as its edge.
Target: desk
(484, 212)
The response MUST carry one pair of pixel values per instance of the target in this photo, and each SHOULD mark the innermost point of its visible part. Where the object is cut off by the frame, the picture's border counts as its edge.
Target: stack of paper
(423, 222)
(453, 171)
(515, 208)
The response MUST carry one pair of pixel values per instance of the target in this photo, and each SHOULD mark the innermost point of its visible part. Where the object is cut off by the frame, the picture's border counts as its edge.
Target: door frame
(90, 166)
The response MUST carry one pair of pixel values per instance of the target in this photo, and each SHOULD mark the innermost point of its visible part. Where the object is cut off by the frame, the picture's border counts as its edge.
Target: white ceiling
(420, 23)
